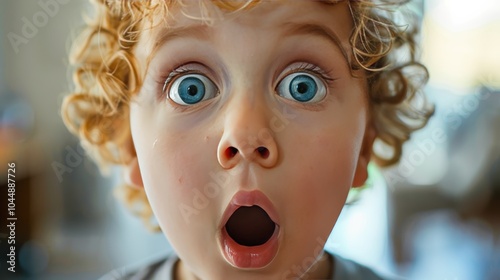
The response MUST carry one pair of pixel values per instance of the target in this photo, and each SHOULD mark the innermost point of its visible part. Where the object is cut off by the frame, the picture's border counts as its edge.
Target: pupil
(302, 88)
(192, 90)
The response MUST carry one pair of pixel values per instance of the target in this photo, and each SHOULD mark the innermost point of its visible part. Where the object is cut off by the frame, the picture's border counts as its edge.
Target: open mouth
(249, 230)
(250, 226)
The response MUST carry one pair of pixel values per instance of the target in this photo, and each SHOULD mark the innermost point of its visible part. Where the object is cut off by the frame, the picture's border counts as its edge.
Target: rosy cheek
(172, 164)
(323, 177)
(177, 169)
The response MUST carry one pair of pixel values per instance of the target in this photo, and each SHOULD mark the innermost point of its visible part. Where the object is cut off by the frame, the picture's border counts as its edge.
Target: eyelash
(303, 67)
(173, 75)
(314, 70)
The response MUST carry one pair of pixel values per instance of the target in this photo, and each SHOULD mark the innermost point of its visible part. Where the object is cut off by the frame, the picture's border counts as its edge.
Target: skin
(315, 151)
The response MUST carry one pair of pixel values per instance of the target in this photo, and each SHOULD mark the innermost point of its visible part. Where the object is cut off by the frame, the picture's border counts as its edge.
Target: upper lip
(250, 198)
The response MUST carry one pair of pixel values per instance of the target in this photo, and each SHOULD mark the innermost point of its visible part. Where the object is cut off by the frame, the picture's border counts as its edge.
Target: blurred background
(434, 216)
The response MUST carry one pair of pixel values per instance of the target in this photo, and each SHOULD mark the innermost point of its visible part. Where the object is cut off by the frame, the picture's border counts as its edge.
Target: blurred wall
(70, 226)
(35, 68)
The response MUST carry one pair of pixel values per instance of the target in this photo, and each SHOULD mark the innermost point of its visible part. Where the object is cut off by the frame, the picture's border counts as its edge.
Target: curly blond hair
(106, 76)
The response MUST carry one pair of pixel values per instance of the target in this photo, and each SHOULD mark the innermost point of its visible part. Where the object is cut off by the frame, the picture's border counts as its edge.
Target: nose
(247, 137)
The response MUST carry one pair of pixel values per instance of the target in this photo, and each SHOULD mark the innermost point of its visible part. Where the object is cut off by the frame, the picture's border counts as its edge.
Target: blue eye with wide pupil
(191, 89)
(302, 87)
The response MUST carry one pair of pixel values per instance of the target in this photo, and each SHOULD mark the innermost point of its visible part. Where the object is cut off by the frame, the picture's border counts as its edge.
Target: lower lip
(249, 257)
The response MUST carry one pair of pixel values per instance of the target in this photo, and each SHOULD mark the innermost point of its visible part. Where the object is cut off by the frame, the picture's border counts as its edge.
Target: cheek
(333, 159)
(323, 163)
(325, 167)
(175, 168)
(174, 165)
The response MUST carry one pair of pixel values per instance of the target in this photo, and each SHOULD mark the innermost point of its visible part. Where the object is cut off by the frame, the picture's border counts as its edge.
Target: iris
(191, 90)
(303, 88)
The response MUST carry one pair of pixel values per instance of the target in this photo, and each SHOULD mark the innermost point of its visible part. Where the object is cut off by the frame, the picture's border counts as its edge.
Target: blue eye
(302, 87)
(191, 89)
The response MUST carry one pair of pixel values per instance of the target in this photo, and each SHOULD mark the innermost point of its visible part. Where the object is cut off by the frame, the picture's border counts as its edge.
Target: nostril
(263, 151)
(231, 152)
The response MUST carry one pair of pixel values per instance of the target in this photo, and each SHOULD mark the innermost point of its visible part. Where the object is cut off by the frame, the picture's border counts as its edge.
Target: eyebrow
(318, 30)
(200, 31)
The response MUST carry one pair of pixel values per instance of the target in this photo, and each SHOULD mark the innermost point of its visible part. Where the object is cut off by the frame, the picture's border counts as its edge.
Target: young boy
(242, 125)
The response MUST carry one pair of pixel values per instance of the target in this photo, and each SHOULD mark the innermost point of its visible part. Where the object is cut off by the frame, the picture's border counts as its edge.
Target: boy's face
(258, 109)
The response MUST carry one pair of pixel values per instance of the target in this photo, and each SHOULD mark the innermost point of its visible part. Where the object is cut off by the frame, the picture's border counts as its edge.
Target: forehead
(266, 15)
(217, 10)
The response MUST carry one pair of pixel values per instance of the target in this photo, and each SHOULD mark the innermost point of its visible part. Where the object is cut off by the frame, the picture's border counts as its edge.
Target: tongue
(250, 226)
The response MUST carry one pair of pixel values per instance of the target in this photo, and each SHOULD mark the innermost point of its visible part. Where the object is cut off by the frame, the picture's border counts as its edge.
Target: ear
(132, 174)
(361, 173)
